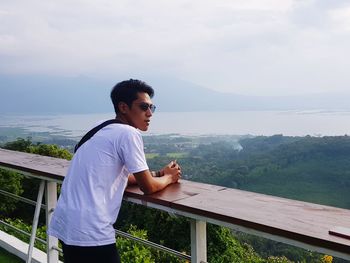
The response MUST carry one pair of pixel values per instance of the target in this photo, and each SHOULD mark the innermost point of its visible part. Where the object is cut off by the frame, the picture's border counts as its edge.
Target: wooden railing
(310, 226)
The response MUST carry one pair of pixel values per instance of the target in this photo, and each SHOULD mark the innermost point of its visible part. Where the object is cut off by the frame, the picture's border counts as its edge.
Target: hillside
(313, 169)
(35, 94)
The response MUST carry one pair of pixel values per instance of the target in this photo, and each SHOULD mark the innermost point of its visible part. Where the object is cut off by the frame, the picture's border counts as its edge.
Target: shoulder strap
(92, 132)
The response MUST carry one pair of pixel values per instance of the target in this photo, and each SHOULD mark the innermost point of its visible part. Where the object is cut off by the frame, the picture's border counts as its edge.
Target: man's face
(139, 115)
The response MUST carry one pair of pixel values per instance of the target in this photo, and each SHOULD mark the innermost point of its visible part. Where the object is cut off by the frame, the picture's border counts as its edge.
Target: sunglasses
(145, 106)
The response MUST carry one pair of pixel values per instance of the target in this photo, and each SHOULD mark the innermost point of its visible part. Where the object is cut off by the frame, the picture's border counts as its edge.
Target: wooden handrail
(299, 223)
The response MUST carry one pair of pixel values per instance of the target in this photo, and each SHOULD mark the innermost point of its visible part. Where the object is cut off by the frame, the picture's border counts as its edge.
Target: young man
(99, 172)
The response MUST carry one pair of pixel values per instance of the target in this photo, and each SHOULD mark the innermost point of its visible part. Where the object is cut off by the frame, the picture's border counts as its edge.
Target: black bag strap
(92, 132)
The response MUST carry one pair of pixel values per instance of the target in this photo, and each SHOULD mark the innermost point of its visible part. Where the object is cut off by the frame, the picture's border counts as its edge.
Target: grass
(8, 258)
(319, 192)
(176, 155)
(151, 155)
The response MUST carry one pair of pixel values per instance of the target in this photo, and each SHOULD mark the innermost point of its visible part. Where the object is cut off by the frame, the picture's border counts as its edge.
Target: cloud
(340, 19)
(242, 46)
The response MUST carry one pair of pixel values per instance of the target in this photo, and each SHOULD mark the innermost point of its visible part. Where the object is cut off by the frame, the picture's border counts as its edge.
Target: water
(292, 123)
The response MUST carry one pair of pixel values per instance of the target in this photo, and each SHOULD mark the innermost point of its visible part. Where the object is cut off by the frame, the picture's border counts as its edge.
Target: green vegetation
(28, 146)
(313, 169)
(151, 155)
(176, 155)
(25, 226)
(9, 258)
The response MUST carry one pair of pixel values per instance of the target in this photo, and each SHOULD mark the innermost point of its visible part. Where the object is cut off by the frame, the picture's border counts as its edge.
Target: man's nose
(149, 112)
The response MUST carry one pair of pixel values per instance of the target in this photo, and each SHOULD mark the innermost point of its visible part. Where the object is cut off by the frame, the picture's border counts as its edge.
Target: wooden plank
(305, 222)
(50, 167)
(172, 193)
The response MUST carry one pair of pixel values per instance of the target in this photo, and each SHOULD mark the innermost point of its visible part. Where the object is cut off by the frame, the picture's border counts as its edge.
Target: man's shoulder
(116, 125)
(125, 128)
(125, 131)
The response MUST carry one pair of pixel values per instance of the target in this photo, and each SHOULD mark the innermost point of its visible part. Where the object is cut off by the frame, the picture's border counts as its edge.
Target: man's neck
(122, 120)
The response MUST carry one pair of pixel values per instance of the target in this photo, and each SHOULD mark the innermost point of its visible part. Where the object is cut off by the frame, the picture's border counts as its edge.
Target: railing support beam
(51, 201)
(35, 220)
(198, 241)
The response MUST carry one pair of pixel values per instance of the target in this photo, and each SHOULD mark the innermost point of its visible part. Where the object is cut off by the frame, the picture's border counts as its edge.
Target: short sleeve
(132, 152)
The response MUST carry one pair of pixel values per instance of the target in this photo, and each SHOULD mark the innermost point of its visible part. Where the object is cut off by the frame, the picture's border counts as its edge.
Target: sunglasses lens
(145, 106)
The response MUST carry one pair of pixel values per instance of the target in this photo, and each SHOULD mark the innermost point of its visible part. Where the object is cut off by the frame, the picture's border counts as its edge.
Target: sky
(251, 47)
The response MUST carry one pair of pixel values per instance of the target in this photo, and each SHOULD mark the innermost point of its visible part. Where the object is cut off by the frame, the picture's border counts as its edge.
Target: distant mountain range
(22, 94)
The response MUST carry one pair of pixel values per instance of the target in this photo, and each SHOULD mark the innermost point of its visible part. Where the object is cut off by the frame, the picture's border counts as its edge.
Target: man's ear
(123, 107)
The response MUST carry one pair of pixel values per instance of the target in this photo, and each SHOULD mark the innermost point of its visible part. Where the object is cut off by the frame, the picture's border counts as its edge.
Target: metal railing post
(198, 241)
(51, 201)
(35, 220)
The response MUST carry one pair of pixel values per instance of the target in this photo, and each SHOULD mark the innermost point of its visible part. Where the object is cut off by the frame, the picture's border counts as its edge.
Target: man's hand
(170, 174)
(173, 169)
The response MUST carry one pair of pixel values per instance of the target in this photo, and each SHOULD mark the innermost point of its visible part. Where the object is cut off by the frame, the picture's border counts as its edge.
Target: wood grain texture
(50, 167)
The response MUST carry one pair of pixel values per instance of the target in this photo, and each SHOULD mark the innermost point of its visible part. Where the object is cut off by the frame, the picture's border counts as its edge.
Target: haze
(249, 47)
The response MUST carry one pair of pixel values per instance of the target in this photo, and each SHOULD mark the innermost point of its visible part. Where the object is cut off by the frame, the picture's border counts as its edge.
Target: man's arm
(148, 184)
(131, 179)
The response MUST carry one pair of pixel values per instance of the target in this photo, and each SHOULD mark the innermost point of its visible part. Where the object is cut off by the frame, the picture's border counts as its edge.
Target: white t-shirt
(93, 188)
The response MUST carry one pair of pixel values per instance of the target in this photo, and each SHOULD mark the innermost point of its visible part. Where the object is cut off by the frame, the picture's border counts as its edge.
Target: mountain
(34, 94)
(177, 95)
(47, 94)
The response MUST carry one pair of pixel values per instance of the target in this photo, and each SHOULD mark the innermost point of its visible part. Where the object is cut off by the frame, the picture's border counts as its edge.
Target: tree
(27, 145)
(10, 182)
(131, 251)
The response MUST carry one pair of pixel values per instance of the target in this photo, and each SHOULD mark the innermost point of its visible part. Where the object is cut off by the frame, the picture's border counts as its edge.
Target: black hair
(126, 91)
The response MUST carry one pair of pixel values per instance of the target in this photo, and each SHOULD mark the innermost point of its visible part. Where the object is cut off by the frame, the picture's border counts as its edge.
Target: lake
(291, 123)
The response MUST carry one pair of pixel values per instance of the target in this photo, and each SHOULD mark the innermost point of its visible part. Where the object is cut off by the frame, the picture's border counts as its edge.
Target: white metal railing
(52, 250)
(50, 190)
(21, 231)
